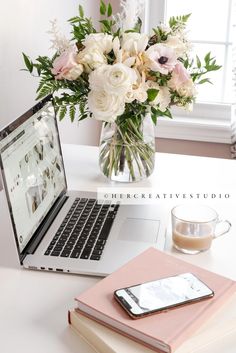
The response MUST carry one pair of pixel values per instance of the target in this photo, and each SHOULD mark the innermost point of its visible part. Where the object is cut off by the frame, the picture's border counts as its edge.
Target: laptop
(60, 230)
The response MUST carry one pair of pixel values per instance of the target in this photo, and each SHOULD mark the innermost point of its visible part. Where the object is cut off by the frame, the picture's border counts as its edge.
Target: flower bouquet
(123, 77)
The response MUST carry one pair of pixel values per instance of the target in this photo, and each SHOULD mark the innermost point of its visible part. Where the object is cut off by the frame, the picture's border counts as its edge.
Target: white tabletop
(34, 305)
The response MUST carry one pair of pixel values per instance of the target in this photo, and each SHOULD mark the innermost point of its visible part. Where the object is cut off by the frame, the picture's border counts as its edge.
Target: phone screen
(162, 294)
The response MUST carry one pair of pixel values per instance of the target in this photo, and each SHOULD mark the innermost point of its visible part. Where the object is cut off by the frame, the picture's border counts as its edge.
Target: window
(209, 30)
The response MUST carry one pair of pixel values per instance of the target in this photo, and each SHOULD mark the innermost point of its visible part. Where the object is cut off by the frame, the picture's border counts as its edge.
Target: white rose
(105, 106)
(134, 42)
(180, 47)
(101, 40)
(115, 79)
(74, 73)
(187, 89)
(91, 58)
(162, 99)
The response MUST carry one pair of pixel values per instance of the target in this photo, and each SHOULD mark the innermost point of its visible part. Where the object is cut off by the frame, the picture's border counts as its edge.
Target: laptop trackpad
(138, 229)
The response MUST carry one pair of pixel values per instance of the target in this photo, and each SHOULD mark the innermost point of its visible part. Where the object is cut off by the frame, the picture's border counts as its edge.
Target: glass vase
(127, 149)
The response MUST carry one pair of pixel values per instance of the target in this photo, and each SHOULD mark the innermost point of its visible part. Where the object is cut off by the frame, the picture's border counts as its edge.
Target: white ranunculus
(74, 73)
(134, 43)
(180, 47)
(105, 106)
(162, 99)
(92, 58)
(119, 78)
(187, 89)
(115, 79)
(96, 78)
(102, 40)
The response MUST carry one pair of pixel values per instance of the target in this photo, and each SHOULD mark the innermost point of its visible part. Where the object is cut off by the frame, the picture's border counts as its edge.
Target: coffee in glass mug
(194, 227)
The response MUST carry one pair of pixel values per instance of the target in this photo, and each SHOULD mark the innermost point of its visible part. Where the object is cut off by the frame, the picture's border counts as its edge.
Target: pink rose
(65, 66)
(161, 58)
(179, 76)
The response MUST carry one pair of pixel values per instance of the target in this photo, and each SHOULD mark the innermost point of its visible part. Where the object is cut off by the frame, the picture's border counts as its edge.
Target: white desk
(33, 305)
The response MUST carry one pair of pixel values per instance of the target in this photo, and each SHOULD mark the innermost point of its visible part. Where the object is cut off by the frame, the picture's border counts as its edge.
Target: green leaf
(81, 11)
(204, 81)
(62, 112)
(154, 118)
(109, 10)
(83, 116)
(72, 111)
(106, 25)
(157, 113)
(207, 57)
(44, 89)
(186, 17)
(152, 93)
(138, 25)
(198, 62)
(102, 8)
(28, 63)
(175, 22)
(168, 114)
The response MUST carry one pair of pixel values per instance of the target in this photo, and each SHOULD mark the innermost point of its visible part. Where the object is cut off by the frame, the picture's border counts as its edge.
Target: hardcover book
(220, 329)
(163, 332)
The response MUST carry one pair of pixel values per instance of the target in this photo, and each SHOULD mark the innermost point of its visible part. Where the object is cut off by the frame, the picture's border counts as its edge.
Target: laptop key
(85, 254)
(55, 253)
(106, 229)
(65, 254)
(75, 254)
(88, 247)
(68, 247)
(95, 257)
(78, 248)
(58, 248)
(97, 252)
(99, 247)
(101, 242)
(47, 252)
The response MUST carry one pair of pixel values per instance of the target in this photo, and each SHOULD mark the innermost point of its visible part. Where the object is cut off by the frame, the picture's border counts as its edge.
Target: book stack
(100, 320)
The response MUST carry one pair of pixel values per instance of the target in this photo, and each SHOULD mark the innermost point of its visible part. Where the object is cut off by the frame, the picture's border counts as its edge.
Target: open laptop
(60, 230)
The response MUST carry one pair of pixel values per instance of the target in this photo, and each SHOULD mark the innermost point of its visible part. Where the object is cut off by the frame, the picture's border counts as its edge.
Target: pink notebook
(162, 332)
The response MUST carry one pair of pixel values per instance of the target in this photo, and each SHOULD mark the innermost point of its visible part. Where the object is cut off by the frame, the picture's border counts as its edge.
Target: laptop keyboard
(84, 231)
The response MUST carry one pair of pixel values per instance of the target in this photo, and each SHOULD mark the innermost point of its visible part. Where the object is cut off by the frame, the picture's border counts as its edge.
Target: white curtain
(233, 146)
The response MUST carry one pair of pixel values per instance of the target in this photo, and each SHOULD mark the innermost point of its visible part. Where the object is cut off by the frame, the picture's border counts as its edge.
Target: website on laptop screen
(33, 171)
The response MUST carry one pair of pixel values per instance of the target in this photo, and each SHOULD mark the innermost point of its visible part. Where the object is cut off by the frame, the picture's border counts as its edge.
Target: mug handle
(227, 223)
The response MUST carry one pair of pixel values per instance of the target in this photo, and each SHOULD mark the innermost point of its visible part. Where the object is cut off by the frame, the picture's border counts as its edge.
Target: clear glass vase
(127, 149)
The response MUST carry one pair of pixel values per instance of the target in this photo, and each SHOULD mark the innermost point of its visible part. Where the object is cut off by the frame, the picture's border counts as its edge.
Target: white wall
(23, 27)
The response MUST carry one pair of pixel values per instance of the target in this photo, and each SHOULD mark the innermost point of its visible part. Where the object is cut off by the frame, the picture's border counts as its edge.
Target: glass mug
(194, 227)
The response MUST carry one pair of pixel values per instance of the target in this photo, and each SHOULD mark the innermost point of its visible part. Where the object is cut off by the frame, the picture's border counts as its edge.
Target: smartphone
(161, 295)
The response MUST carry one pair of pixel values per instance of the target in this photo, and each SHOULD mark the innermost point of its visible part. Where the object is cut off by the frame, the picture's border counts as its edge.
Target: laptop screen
(33, 170)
